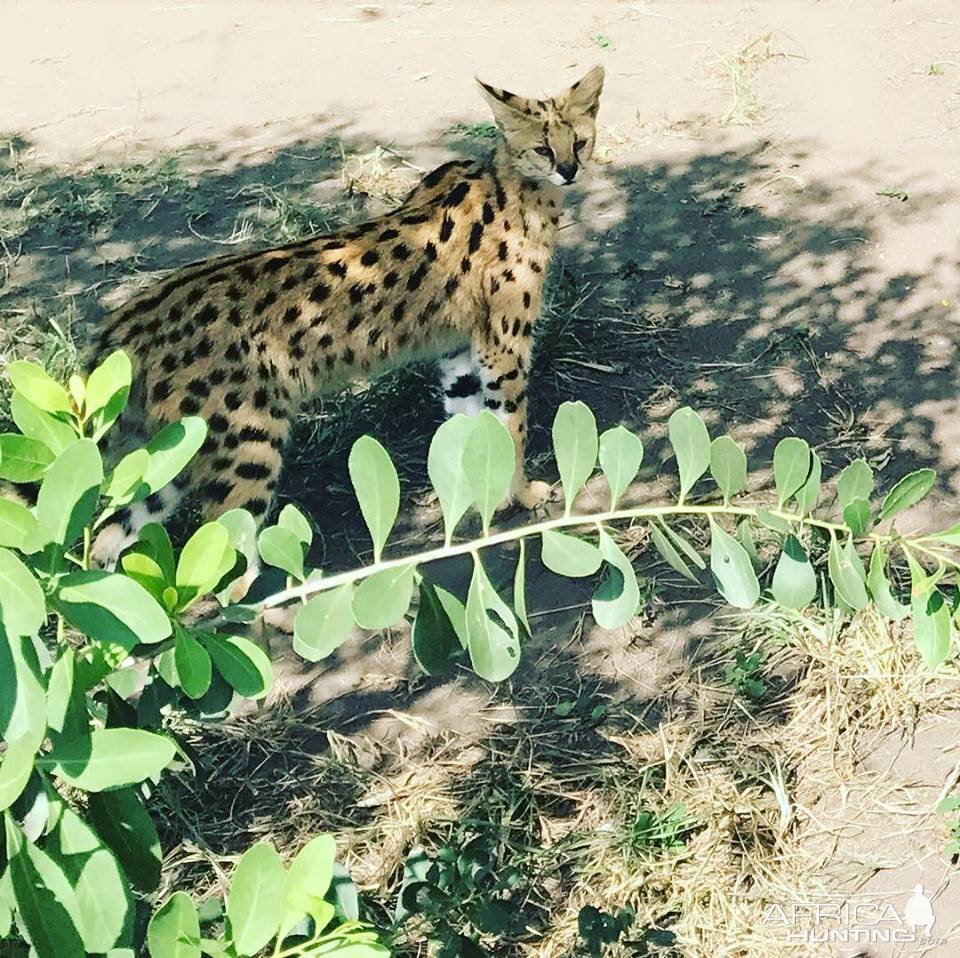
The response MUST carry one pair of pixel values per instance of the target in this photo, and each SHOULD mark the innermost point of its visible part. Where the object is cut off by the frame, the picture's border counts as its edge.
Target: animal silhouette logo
(919, 912)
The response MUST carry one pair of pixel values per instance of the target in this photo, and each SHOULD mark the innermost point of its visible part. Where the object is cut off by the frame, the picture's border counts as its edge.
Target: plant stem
(521, 532)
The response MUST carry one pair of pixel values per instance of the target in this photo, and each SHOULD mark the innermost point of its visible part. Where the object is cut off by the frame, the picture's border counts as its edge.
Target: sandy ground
(777, 199)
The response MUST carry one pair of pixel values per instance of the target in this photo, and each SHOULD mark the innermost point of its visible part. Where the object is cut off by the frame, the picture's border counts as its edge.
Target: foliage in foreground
(92, 663)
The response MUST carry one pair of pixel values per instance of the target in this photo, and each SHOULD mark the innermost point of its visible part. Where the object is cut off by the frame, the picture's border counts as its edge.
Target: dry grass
(567, 795)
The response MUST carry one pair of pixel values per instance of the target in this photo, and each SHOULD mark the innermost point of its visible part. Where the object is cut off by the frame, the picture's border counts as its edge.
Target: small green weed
(745, 674)
(473, 131)
(651, 831)
(598, 928)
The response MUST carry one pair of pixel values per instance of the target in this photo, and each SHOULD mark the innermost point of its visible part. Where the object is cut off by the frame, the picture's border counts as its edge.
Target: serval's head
(549, 139)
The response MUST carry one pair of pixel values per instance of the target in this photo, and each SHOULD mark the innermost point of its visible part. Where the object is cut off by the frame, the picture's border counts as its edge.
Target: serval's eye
(545, 152)
(579, 145)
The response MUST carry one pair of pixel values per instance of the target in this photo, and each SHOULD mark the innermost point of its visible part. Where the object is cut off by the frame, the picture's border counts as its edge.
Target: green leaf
(23, 707)
(112, 608)
(435, 643)
(808, 495)
(569, 556)
(732, 569)
(931, 627)
(16, 767)
(293, 519)
(682, 544)
(456, 613)
(728, 466)
(618, 597)
(575, 446)
(847, 574)
(69, 493)
(667, 549)
(791, 467)
(32, 421)
(155, 537)
(18, 524)
(109, 758)
(60, 690)
(794, 581)
(281, 548)
(445, 469)
(244, 665)
(104, 905)
(171, 449)
(773, 522)
(47, 914)
(203, 557)
(23, 459)
(745, 538)
(377, 488)
(255, 904)
(520, 588)
(308, 882)
(691, 444)
(125, 484)
(382, 599)
(856, 515)
(907, 492)
(145, 571)
(174, 929)
(34, 382)
(107, 390)
(493, 643)
(949, 536)
(855, 482)
(621, 455)
(489, 460)
(123, 823)
(194, 669)
(324, 623)
(879, 587)
(23, 609)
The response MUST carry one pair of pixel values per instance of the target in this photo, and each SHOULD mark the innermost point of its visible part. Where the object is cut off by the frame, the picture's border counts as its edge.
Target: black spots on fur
(431, 250)
(330, 360)
(291, 314)
(347, 356)
(516, 327)
(233, 401)
(435, 176)
(246, 272)
(456, 195)
(290, 282)
(189, 406)
(501, 195)
(506, 226)
(450, 287)
(416, 277)
(194, 295)
(355, 320)
(402, 340)
(199, 388)
(222, 463)
(297, 338)
(507, 276)
(388, 234)
(218, 423)
(467, 385)
(161, 391)
(504, 325)
(326, 341)
(254, 434)
(217, 377)
(507, 377)
(234, 293)
(231, 441)
(274, 265)
(235, 317)
(370, 258)
(338, 269)
(319, 293)
(396, 314)
(509, 405)
(535, 266)
(494, 287)
(169, 363)
(400, 252)
(446, 229)
(414, 219)
(476, 232)
(309, 271)
(465, 265)
(256, 506)
(238, 377)
(373, 336)
(233, 353)
(208, 314)
(487, 214)
(356, 293)
(217, 490)
(390, 280)
(332, 244)
(502, 250)
(261, 397)
(528, 329)
(526, 300)
(204, 348)
(255, 471)
(492, 403)
(265, 301)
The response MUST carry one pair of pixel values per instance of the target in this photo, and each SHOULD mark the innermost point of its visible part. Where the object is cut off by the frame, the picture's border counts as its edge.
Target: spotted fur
(456, 271)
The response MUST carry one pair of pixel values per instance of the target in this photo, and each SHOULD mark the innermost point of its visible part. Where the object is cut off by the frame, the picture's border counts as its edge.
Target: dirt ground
(771, 235)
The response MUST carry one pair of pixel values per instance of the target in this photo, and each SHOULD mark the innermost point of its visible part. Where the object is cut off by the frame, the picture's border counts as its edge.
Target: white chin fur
(557, 180)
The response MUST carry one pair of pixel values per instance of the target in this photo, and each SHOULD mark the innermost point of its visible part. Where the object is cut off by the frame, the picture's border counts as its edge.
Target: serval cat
(456, 272)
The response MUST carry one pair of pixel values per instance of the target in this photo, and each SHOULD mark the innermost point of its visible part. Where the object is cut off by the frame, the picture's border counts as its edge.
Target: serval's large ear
(584, 96)
(509, 110)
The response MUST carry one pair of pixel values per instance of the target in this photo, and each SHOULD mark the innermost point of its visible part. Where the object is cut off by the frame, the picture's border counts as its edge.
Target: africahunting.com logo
(862, 922)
